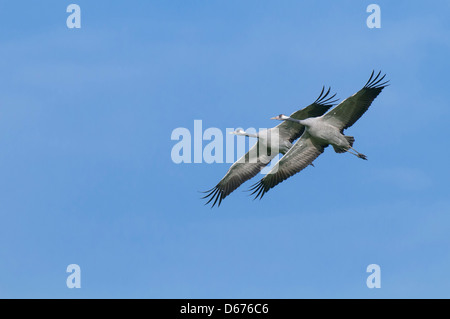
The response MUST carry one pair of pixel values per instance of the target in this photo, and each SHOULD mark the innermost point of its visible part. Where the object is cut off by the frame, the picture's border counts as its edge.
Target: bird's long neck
(303, 122)
(243, 133)
(250, 134)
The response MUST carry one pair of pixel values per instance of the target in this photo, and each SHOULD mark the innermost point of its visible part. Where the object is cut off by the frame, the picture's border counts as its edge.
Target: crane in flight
(282, 136)
(320, 132)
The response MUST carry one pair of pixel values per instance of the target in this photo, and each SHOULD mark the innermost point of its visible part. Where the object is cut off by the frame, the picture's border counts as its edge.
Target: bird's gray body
(323, 132)
(273, 140)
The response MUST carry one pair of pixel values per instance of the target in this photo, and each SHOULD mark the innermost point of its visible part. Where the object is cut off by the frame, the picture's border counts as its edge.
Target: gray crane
(320, 132)
(263, 151)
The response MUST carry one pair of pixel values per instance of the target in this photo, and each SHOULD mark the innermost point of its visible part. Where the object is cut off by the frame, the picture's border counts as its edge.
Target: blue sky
(85, 170)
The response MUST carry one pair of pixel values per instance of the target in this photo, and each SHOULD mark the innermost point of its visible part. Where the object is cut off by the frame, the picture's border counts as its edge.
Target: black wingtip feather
(259, 189)
(324, 99)
(214, 194)
(374, 82)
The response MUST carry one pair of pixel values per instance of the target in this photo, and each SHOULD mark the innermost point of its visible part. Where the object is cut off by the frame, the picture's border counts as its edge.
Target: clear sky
(86, 176)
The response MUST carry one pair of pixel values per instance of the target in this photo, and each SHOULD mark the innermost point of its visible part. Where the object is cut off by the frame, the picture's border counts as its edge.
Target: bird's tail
(350, 140)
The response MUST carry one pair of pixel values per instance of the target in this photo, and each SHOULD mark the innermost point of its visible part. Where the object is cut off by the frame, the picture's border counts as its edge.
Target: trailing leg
(360, 155)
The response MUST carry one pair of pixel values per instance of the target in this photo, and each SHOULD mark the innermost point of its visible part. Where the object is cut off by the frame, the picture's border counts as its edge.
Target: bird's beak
(273, 118)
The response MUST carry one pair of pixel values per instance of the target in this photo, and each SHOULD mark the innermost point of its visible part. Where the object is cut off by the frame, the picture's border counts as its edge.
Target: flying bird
(263, 151)
(320, 132)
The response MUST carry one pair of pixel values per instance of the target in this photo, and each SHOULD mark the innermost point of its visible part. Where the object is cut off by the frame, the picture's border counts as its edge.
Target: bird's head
(239, 131)
(280, 117)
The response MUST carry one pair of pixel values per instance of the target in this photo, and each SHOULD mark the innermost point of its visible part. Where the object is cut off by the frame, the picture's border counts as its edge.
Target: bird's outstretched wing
(351, 109)
(303, 153)
(241, 171)
(291, 131)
